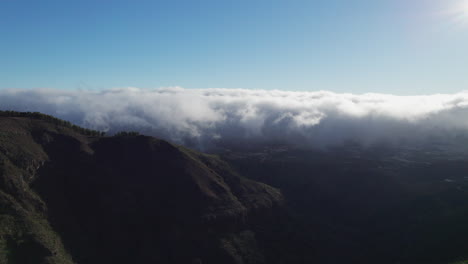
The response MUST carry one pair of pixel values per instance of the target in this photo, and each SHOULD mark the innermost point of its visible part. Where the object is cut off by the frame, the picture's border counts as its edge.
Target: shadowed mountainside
(72, 195)
(377, 204)
(67, 197)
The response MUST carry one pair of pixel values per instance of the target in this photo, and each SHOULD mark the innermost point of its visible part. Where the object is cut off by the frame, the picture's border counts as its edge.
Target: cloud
(208, 117)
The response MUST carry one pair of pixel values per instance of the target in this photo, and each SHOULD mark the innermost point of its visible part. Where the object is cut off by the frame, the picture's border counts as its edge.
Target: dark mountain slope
(71, 195)
(370, 205)
(67, 197)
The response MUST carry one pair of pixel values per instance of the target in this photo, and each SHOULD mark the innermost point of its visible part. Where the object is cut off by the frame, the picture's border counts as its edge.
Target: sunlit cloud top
(204, 117)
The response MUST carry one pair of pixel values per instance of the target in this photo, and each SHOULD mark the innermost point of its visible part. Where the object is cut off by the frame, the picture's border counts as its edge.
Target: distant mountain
(71, 195)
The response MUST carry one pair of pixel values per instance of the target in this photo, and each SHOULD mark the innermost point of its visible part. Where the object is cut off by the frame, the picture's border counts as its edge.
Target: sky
(401, 47)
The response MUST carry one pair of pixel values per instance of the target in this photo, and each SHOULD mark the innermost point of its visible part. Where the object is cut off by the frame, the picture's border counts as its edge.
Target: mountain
(72, 195)
(373, 204)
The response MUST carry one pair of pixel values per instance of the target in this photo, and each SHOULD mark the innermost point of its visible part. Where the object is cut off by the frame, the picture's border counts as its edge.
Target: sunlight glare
(459, 12)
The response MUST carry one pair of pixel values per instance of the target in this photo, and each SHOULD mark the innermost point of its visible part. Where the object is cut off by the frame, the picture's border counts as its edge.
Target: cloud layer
(208, 117)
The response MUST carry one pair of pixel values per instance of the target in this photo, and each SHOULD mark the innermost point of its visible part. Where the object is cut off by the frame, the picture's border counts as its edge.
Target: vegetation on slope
(67, 196)
(52, 120)
(70, 196)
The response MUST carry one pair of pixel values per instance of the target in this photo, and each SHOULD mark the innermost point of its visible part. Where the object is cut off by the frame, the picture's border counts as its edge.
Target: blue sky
(355, 46)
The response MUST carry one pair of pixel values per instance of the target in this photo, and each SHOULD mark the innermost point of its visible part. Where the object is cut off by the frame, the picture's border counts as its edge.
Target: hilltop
(72, 195)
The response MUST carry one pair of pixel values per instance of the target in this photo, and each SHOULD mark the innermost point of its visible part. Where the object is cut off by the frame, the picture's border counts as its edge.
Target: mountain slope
(379, 204)
(69, 195)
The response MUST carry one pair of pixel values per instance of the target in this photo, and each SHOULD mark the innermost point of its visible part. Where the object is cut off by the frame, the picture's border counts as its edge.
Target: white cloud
(204, 116)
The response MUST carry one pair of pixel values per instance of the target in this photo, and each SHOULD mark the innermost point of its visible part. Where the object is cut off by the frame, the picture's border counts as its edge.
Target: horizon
(203, 118)
(309, 71)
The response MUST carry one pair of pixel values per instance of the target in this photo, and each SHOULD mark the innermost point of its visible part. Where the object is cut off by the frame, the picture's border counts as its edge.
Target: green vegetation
(53, 120)
(127, 134)
(68, 197)
(25, 233)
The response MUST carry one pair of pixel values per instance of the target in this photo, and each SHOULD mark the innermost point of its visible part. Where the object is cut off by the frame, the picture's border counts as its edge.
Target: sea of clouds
(205, 118)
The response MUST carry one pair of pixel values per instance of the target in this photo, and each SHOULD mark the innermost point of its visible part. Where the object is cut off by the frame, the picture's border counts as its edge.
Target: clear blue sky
(390, 46)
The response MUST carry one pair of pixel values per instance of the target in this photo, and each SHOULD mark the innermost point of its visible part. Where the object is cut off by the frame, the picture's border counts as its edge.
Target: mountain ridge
(69, 195)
